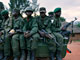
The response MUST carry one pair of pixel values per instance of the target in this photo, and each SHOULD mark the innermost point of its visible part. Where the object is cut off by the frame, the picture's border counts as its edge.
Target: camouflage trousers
(59, 39)
(15, 42)
(7, 46)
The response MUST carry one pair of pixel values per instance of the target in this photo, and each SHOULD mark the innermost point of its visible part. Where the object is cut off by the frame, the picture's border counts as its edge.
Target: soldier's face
(50, 15)
(58, 14)
(28, 13)
(14, 13)
(5, 16)
(42, 14)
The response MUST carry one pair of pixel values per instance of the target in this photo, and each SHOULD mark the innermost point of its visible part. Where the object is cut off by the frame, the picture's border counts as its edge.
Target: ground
(75, 48)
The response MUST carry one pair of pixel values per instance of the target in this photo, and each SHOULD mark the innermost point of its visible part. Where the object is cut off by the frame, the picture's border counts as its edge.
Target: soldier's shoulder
(62, 19)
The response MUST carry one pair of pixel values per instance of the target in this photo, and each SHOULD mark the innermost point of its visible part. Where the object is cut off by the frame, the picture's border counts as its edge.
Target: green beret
(57, 10)
(51, 12)
(42, 9)
(4, 12)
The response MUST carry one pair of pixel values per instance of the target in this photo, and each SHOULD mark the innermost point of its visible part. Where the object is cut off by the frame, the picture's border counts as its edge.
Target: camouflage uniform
(16, 38)
(6, 25)
(55, 27)
(46, 46)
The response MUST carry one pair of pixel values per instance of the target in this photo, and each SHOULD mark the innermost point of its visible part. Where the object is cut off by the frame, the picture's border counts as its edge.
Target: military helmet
(4, 12)
(42, 9)
(51, 12)
(57, 10)
(29, 9)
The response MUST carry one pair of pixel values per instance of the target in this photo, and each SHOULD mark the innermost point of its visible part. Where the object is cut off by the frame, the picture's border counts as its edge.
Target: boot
(23, 55)
(52, 56)
(58, 55)
(16, 58)
(28, 55)
(6, 58)
(32, 55)
(1, 55)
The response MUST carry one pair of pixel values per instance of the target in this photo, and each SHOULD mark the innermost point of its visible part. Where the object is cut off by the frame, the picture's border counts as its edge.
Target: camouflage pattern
(55, 28)
(17, 24)
(7, 25)
(49, 45)
(31, 25)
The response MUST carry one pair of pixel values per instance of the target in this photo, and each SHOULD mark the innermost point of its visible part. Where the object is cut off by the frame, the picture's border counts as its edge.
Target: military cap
(42, 9)
(29, 9)
(57, 10)
(51, 12)
(4, 12)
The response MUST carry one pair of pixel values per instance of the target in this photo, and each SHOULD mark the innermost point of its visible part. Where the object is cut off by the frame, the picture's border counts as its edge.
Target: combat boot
(58, 55)
(23, 55)
(32, 55)
(1, 55)
(52, 56)
(6, 58)
(28, 55)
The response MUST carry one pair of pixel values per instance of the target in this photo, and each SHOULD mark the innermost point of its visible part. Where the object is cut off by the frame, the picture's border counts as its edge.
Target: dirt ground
(75, 48)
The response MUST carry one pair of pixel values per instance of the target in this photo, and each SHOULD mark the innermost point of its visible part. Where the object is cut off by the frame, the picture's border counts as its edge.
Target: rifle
(67, 25)
(50, 37)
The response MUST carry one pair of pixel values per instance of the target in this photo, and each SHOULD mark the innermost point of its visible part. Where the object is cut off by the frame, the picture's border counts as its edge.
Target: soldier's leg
(34, 45)
(2, 48)
(22, 47)
(31, 46)
(52, 47)
(35, 39)
(7, 48)
(15, 46)
(59, 39)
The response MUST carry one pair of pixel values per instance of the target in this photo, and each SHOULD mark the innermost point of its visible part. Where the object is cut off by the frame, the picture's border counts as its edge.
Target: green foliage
(18, 4)
(78, 24)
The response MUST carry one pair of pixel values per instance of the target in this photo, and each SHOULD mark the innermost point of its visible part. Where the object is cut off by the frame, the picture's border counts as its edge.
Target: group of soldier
(21, 36)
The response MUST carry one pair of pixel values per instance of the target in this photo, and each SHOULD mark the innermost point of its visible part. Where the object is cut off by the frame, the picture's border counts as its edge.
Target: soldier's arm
(34, 27)
(48, 27)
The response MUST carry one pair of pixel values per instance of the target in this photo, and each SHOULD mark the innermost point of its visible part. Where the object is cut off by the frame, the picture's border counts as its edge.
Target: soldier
(6, 28)
(55, 27)
(44, 24)
(1, 8)
(18, 24)
(1, 44)
(51, 14)
(31, 36)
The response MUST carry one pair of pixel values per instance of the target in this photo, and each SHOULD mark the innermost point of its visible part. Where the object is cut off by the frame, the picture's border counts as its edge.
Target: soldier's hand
(27, 35)
(1, 33)
(12, 31)
(42, 33)
(48, 36)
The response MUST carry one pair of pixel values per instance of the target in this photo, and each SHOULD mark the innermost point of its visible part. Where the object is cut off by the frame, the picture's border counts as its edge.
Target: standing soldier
(6, 28)
(18, 24)
(44, 24)
(31, 36)
(55, 27)
(1, 44)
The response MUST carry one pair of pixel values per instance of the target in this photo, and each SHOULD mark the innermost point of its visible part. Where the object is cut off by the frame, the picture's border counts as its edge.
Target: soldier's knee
(36, 36)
